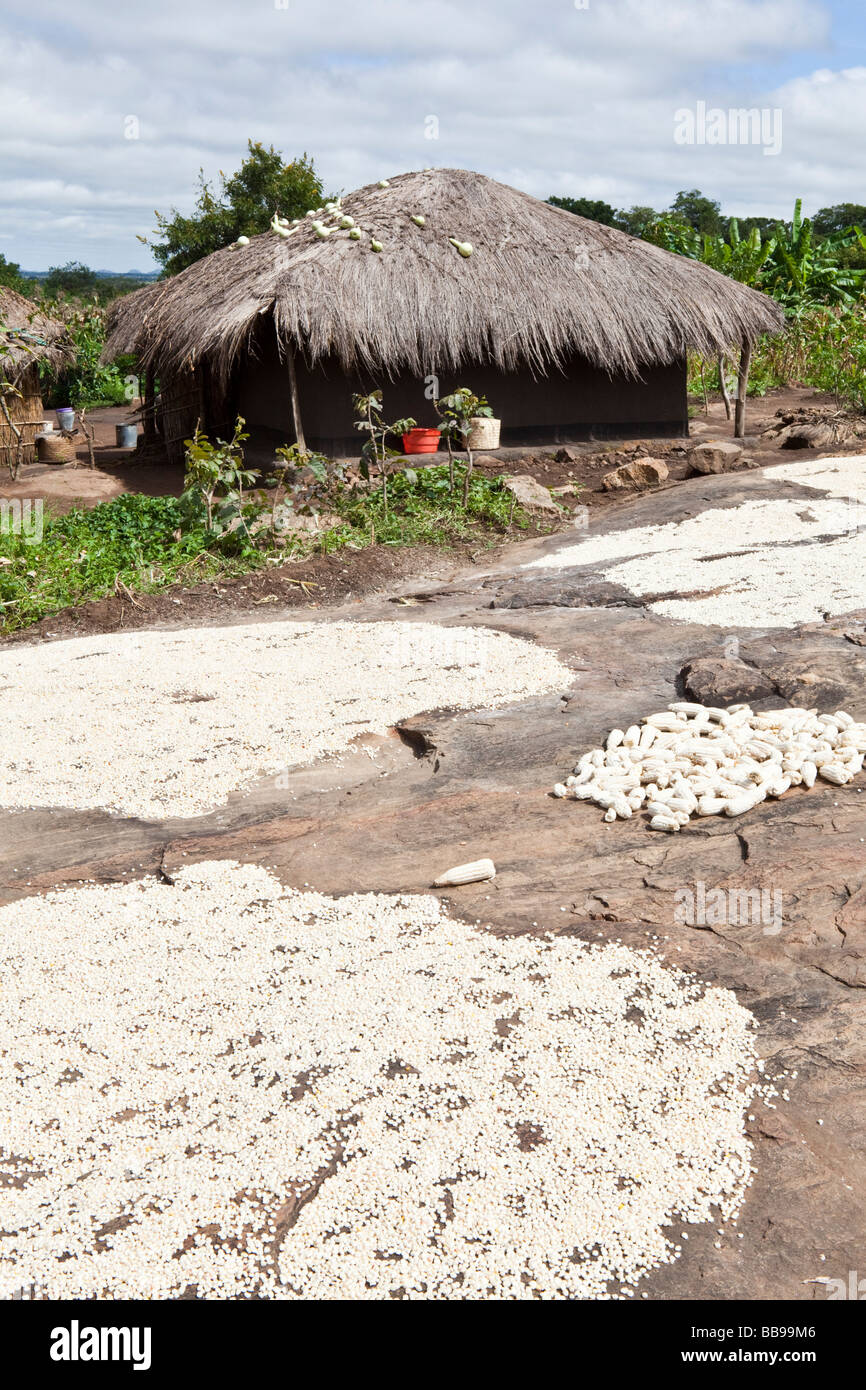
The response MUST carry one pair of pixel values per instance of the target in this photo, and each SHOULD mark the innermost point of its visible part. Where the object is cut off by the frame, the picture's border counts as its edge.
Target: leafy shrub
(214, 482)
(371, 421)
(304, 481)
(136, 544)
(456, 413)
(84, 382)
(823, 347)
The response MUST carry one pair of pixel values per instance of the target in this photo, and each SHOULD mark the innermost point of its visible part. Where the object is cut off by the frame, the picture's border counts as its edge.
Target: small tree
(304, 479)
(73, 279)
(10, 275)
(457, 412)
(371, 422)
(593, 208)
(215, 478)
(81, 380)
(244, 203)
(701, 212)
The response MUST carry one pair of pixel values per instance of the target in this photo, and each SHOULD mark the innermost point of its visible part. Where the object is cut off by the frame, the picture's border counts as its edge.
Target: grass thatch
(27, 336)
(127, 320)
(540, 286)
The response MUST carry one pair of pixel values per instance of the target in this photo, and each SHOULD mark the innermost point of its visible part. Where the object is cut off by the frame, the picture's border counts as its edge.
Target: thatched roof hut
(543, 295)
(27, 337)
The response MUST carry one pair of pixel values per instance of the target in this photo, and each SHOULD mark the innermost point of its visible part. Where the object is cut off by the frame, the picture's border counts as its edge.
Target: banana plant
(742, 259)
(804, 271)
(793, 265)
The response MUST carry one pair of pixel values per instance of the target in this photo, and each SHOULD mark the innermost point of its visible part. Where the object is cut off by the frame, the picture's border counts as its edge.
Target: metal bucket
(65, 417)
(127, 436)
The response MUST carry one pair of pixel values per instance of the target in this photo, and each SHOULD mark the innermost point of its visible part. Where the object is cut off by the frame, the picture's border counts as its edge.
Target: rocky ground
(443, 788)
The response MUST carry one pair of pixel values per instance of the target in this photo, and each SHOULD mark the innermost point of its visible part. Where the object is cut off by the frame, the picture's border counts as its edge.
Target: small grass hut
(433, 280)
(27, 337)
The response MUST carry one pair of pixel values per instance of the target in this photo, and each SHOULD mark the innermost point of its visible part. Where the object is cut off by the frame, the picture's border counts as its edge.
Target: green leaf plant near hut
(458, 413)
(215, 480)
(376, 450)
(303, 483)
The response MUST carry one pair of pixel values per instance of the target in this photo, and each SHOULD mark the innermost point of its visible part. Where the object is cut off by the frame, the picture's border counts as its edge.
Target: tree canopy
(802, 263)
(73, 279)
(11, 277)
(702, 213)
(243, 205)
(593, 208)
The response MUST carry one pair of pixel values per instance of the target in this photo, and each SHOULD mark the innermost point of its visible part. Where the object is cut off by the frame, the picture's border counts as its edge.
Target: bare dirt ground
(446, 788)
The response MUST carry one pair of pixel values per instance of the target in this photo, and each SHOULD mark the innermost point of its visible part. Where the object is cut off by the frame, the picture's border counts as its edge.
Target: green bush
(823, 347)
(84, 381)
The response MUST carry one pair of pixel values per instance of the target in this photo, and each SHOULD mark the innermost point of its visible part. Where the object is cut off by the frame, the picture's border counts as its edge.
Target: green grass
(138, 543)
(422, 512)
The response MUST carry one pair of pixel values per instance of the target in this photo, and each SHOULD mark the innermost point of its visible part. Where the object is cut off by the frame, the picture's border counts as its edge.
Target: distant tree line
(693, 209)
(72, 281)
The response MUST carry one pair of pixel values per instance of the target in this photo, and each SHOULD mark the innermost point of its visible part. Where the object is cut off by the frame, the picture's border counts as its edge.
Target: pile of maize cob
(695, 759)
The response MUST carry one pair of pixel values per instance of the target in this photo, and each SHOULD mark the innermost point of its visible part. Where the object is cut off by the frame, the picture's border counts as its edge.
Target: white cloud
(553, 99)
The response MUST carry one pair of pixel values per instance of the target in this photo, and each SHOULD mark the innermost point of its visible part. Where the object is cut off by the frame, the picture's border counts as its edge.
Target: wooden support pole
(742, 383)
(149, 406)
(723, 385)
(296, 404)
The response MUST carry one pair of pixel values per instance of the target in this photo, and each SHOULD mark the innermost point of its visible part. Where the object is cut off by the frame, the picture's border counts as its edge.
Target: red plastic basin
(420, 441)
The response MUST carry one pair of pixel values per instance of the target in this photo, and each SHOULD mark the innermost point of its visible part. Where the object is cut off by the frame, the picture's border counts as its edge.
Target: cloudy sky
(556, 96)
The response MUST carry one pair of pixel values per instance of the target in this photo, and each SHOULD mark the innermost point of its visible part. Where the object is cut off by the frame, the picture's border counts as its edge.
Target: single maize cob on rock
(476, 872)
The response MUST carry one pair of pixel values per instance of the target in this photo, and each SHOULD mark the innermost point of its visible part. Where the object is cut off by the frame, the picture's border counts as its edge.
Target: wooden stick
(742, 383)
(89, 434)
(296, 404)
(14, 468)
(723, 385)
(149, 403)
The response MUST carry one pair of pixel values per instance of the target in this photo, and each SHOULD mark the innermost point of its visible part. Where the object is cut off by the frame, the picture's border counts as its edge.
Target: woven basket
(53, 448)
(484, 433)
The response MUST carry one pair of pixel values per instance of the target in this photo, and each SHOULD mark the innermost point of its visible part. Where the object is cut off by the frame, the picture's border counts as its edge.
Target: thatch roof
(540, 285)
(27, 335)
(126, 318)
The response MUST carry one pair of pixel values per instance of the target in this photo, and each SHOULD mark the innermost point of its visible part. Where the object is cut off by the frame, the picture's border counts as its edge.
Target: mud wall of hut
(185, 400)
(578, 403)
